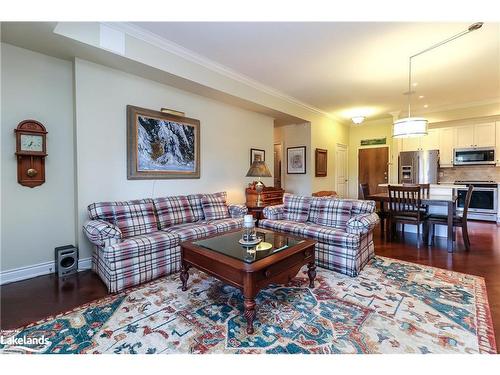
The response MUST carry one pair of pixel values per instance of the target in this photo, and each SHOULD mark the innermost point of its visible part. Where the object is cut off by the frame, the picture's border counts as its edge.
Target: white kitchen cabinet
(410, 144)
(497, 147)
(446, 147)
(464, 136)
(426, 142)
(430, 141)
(477, 135)
(484, 135)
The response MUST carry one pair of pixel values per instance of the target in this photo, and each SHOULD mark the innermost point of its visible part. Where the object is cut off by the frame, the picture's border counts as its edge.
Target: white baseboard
(45, 268)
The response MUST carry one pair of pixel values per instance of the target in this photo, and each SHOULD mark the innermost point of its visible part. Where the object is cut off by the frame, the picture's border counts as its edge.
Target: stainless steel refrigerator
(418, 167)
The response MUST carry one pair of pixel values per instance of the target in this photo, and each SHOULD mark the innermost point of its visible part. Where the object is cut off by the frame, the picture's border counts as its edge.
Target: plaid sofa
(343, 229)
(139, 240)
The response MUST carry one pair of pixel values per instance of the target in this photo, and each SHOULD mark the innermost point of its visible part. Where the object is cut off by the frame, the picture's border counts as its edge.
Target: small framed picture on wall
(321, 162)
(296, 160)
(257, 155)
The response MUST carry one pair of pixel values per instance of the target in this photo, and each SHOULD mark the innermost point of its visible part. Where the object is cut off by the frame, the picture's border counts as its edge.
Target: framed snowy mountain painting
(161, 145)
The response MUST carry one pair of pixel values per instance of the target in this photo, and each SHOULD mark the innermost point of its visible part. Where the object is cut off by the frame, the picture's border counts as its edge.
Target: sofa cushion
(214, 207)
(196, 205)
(333, 213)
(133, 218)
(285, 226)
(192, 231)
(140, 246)
(316, 206)
(296, 208)
(173, 210)
(331, 236)
(223, 225)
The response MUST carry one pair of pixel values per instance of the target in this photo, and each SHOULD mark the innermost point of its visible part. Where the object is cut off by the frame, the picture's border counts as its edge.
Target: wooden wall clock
(31, 150)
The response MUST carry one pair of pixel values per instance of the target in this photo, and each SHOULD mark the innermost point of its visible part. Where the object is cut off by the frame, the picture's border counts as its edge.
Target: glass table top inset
(228, 244)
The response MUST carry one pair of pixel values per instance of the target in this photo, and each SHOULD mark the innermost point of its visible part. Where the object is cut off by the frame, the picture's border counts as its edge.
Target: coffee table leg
(250, 313)
(311, 272)
(184, 276)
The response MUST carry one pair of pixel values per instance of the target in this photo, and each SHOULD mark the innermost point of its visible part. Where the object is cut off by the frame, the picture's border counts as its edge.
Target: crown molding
(180, 51)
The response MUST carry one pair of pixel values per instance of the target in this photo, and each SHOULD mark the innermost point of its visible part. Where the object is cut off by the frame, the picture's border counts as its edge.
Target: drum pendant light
(417, 126)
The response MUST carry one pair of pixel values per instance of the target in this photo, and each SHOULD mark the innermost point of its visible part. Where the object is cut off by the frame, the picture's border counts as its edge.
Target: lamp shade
(259, 169)
(409, 127)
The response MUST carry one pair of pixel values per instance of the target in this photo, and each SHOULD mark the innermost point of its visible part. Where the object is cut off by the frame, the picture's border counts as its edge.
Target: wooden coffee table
(247, 268)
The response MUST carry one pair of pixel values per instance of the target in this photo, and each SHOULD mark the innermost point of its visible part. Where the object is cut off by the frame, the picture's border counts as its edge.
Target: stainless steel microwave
(473, 156)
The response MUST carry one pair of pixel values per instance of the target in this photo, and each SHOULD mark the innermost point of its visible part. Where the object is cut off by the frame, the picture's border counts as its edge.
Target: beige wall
(368, 130)
(35, 221)
(293, 136)
(227, 134)
(326, 134)
(322, 133)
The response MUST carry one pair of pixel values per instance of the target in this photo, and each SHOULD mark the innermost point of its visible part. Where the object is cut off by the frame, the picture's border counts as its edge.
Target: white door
(341, 174)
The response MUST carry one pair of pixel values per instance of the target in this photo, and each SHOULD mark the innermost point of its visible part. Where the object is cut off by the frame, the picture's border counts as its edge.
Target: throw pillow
(334, 213)
(296, 208)
(173, 210)
(215, 207)
(197, 206)
(135, 219)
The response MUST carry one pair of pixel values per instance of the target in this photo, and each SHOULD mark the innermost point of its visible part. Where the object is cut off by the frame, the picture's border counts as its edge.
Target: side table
(256, 211)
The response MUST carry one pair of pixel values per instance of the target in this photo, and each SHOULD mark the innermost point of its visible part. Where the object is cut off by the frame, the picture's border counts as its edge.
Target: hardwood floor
(27, 301)
(30, 300)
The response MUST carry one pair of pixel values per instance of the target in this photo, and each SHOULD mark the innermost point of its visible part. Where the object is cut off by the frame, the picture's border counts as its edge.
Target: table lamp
(259, 169)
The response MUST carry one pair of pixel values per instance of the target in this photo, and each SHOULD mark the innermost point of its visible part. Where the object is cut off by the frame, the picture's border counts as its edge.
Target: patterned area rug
(392, 307)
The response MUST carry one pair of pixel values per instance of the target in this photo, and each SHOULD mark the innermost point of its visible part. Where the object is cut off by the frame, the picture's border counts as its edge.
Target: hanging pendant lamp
(417, 126)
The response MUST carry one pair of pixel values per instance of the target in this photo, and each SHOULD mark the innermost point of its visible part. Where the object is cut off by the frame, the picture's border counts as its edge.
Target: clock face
(31, 143)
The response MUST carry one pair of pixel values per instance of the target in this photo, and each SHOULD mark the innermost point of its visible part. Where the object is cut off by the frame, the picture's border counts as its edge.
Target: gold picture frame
(161, 145)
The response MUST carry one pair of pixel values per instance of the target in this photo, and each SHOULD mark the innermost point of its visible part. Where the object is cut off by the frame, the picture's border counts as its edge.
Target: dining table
(429, 199)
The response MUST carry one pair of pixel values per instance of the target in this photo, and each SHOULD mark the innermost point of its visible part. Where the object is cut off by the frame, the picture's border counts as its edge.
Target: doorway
(373, 168)
(341, 177)
(278, 155)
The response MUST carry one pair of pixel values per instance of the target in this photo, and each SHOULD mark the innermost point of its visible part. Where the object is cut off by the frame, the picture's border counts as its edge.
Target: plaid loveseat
(139, 240)
(343, 228)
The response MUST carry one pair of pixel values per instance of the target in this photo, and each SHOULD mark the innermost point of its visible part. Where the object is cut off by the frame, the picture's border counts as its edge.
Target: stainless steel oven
(484, 202)
(474, 156)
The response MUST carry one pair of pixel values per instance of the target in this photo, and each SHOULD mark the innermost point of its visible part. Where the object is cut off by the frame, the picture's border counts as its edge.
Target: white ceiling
(352, 68)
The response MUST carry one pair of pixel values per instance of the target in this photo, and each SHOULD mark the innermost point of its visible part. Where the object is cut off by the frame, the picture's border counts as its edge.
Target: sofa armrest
(362, 224)
(101, 233)
(237, 211)
(273, 212)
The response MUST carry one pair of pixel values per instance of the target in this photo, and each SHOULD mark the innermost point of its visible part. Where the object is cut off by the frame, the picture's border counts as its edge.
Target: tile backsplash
(478, 172)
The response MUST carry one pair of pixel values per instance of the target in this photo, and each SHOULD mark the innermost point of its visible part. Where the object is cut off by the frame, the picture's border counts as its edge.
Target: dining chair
(458, 221)
(405, 207)
(424, 192)
(364, 193)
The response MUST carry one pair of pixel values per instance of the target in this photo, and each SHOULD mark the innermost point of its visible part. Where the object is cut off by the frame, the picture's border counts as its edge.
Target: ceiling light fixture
(358, 119)
(417, 126)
